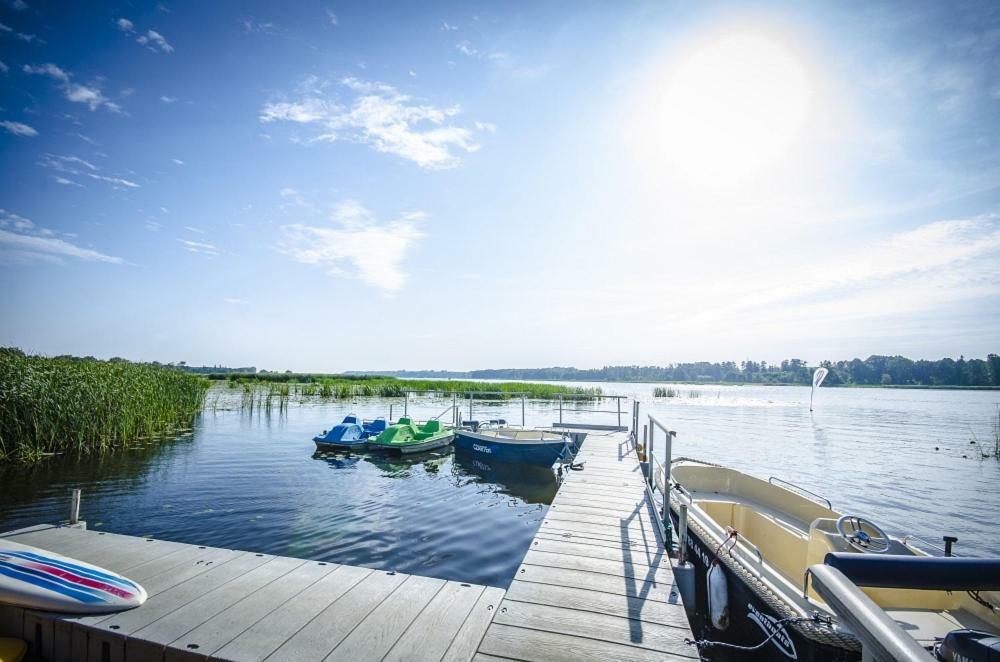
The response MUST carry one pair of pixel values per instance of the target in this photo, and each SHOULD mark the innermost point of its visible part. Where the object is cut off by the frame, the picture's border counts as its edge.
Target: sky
(334, 186)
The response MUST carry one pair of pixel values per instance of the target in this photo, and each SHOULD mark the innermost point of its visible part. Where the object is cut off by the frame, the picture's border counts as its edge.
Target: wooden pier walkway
(595, 584)
(222, 604)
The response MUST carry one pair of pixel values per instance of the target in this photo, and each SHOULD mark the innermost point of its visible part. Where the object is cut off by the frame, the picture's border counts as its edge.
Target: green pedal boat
(405, 436)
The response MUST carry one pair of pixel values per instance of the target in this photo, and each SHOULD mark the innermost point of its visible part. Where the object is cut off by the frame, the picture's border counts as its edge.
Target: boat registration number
(480, 448)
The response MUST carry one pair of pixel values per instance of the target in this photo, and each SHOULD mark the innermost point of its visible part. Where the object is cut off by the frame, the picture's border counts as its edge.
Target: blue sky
(330, 186)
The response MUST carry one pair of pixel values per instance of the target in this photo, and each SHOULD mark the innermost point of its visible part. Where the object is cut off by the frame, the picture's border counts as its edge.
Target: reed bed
(69, 405)
(350, 386)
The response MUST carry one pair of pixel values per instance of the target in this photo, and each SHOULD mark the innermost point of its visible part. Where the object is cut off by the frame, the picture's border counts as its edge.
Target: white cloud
(465, 47)
(125, 25)
(65, 182)
(178, 161)
(17, 5)
(331, 16)
(199, 247)
(235, 301)
(488, 127)
(356, 245)
(86, 94)
(4, 69)
(190, 228)
(155, 41)
(20, 35)
(47, 70)
(153, 226)
(19, 129)
(74, 165)
(166, 99)
(915, 270)
(447, 27)
(381, 116)
(23, 238)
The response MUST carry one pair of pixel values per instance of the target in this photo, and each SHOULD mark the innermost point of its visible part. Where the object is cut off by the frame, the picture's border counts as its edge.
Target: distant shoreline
(924, 387)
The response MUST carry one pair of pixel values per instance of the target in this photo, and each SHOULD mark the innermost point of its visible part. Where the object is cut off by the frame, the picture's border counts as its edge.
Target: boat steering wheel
(860, 539)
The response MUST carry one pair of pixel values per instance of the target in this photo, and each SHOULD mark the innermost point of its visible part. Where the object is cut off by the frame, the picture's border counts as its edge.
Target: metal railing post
(406, 403)
(649, 453)
(619, 401)
(390, 413)
(560, 409)
(74, 507)
(522, 410)
(667, 455)
(682, 532)
(454, 409)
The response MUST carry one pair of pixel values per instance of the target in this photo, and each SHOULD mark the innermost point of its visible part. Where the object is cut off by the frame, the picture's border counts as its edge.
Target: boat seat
(432, 426)
(781, 538)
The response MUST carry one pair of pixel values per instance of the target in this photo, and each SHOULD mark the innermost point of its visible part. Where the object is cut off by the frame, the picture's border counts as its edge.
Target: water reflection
(530, 483)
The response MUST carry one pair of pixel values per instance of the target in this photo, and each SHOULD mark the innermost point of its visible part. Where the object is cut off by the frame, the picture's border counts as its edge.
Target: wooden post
(74, 507)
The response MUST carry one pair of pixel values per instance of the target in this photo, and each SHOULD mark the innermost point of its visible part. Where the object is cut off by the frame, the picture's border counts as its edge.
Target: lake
(901, 457)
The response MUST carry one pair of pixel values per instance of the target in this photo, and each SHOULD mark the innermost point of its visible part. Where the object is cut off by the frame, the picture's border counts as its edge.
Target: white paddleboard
(39, 579)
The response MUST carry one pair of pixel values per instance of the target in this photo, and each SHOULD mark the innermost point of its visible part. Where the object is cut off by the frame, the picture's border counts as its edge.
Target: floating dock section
(596, 584)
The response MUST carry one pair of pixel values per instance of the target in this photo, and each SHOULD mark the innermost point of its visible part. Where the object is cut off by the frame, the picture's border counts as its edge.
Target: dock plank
(463, 647)
(226, 626)
(266, 636)
(325, 632)
(431, 634)
(536, 646)
(150, 641)
(380, 631)
(612, 629)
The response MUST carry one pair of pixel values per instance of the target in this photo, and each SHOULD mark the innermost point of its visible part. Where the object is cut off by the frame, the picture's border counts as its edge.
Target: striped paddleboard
(37, 579)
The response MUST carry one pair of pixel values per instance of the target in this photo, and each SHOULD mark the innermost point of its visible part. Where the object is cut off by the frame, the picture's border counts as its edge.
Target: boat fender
(718, 596)
(640, 451)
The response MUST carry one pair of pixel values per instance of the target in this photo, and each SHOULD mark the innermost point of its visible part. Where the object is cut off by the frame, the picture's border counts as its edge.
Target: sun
(731, 108)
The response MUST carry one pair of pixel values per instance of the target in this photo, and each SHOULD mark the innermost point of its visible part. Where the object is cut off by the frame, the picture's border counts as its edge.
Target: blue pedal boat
(540, 447)
(351, 434)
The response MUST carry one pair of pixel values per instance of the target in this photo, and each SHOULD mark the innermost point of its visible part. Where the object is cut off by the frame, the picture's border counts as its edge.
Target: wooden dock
(595, 584)
(222, 604)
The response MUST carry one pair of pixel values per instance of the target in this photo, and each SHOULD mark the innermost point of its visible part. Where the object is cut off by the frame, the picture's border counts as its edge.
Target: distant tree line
(873, 371)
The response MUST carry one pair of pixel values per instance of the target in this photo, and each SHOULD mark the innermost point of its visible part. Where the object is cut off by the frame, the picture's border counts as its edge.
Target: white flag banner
(819, 376)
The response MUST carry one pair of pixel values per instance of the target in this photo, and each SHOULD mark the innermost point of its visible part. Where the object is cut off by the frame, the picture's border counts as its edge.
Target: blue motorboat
(351, 434)
(541, 447)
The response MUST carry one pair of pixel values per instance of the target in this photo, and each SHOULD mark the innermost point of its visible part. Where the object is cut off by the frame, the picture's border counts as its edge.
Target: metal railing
(657, 469)
(882, 639)
(816, 497)
(617, 411)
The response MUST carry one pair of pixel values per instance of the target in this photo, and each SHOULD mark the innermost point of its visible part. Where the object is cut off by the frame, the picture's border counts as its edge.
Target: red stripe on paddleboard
(77, 579)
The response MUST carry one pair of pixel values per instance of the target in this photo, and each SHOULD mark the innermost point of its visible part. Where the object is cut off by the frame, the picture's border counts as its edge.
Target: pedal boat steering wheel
(860, 539)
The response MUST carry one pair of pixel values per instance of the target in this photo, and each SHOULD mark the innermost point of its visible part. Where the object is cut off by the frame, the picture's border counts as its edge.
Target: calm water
(253, 482)
(899, 456)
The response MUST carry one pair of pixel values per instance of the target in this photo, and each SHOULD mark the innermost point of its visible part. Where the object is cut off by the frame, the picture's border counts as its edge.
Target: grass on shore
(71, 405)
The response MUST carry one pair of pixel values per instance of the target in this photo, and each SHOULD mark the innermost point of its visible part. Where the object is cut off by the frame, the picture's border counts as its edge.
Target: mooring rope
(707, 643)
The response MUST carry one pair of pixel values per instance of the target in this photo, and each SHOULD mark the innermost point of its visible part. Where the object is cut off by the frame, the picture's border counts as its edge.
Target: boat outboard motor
(969, 646)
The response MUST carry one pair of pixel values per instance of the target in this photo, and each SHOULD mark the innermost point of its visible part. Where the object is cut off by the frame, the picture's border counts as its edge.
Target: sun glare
(730, 108)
